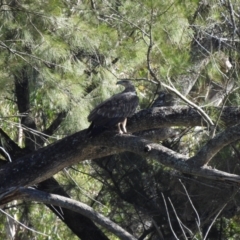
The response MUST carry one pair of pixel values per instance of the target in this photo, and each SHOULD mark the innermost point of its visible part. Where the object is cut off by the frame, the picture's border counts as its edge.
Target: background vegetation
(60, 58)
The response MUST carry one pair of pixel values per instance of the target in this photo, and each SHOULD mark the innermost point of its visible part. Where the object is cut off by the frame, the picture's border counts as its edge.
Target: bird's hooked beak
(119, 82)
(123, 82)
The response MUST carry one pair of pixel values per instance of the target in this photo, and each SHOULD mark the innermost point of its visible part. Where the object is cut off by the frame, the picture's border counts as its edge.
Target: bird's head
(129, 87)
(125, 83)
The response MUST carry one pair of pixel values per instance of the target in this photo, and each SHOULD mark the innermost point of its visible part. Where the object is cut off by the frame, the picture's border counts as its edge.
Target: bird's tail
(93, 130)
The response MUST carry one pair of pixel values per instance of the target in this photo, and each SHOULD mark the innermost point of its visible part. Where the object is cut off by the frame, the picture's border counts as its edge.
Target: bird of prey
(114, 111)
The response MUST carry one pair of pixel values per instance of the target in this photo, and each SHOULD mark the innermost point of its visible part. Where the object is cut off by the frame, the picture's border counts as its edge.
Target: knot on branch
(147, 148)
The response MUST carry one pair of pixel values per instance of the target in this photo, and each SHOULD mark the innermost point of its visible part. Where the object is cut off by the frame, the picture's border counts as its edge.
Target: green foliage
(72, 53)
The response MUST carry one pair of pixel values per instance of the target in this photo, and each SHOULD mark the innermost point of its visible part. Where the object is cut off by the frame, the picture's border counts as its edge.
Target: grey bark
(44, 163)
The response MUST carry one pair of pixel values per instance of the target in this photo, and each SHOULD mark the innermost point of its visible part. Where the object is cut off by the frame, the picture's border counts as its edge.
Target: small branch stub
(147, 148)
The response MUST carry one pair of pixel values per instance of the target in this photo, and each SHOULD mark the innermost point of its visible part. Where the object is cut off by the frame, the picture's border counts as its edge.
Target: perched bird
(114, 111)
(164, 99)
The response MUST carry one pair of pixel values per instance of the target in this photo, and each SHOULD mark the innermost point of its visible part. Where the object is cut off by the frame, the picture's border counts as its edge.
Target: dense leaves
(60, 58)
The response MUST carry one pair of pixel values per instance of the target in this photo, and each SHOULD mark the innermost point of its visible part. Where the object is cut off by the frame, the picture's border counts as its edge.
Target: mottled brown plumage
(114, 111)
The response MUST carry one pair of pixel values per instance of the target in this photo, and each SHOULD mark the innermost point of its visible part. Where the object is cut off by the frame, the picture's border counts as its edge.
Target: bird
(114, 111)
(164, 99)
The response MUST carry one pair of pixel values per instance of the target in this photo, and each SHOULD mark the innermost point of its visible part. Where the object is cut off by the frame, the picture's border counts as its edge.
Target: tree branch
(73, 205)
(44, 163)
(214, 145)
(158, 134)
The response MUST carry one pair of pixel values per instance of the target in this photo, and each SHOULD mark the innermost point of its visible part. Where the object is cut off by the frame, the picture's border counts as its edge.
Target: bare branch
(23, 225)
(200, 110)
(232, 18)
(213, 146)
(193, 207)
(178, 219)
(73, 205)
(169, 220)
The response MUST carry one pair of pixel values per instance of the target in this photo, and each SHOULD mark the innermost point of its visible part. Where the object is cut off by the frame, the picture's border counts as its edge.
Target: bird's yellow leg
(119, 128)
(124, 123)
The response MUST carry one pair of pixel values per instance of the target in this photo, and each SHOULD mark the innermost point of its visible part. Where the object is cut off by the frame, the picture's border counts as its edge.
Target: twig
(178, 219)
(157, 228)
(232, 18)
(174, 90)
(169, 220)
(224, 205)
(9, 158)
(193, 207)
(81, 189)
(223, 104)
(23, 225)
(201, 112)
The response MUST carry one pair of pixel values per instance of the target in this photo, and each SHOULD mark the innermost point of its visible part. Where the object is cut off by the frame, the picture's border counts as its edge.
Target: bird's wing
(119, 106)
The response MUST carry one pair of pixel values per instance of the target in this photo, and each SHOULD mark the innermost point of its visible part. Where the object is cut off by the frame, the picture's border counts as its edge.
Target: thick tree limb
(158, 134)
(46, 162)
(165, 156)
(179, 116)
(56, 200)
(214, 145)
(82, 226)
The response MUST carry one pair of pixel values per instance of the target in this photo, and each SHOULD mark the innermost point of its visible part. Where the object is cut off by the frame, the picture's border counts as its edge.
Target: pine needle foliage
(73, 52)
